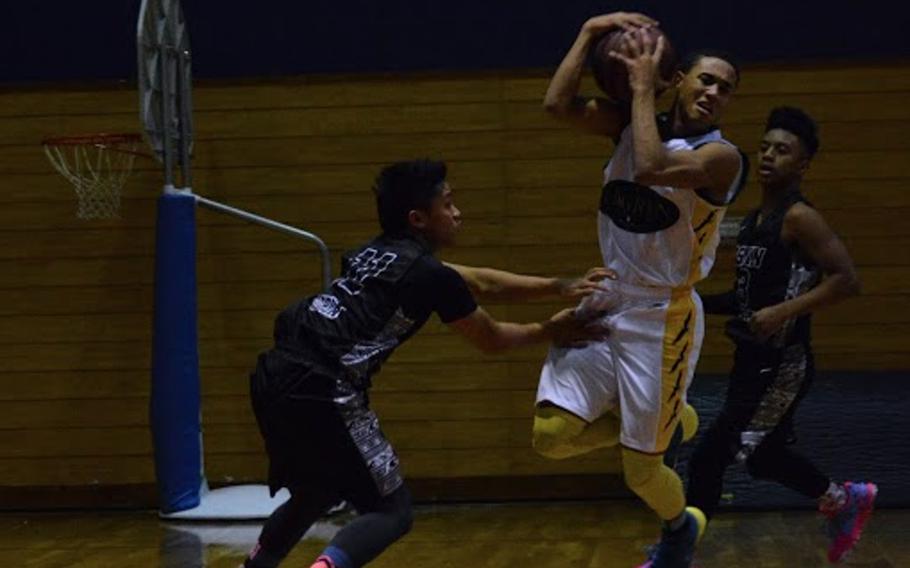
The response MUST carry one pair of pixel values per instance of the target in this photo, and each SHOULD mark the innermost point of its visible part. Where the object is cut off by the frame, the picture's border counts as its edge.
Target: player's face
(781, 159)
(441, 221)
(705, 91)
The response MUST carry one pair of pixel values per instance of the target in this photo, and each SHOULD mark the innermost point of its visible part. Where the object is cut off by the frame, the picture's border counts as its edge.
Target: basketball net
(97, 165)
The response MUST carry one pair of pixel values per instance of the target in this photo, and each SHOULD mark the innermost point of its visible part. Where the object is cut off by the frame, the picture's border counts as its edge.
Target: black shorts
(766, 386)
(317, 445)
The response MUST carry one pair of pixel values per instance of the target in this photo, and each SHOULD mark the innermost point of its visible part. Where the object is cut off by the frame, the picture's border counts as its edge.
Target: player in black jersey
(310, 392)
(789, 263)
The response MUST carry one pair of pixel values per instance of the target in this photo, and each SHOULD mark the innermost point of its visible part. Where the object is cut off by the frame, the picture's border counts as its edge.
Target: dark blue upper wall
(94, 39)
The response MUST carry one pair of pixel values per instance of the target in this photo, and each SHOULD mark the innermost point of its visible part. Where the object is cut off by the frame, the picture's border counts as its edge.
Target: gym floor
(553, 534)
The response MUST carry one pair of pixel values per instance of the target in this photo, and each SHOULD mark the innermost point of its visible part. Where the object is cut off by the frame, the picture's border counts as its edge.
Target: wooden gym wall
(75, 316)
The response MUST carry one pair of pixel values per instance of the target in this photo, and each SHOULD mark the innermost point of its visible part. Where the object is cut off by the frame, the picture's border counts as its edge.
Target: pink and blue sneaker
(846, 522)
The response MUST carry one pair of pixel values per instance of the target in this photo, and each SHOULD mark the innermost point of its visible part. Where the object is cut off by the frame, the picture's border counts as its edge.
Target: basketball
(611, 74)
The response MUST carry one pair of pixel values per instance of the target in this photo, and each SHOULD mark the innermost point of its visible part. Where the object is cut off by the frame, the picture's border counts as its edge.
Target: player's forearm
(490, 284)
(507, 286)
(563, 87)
(833, 289)
(720, 304)
(508, 335)
(650, 154)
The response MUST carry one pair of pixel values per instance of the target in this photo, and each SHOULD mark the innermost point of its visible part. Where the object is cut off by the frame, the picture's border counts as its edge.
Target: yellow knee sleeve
(655, 483)
(689, 420)
(554, 430)
(602, 433)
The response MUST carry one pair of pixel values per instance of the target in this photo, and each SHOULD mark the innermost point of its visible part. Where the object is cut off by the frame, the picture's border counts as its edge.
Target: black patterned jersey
(387, 290)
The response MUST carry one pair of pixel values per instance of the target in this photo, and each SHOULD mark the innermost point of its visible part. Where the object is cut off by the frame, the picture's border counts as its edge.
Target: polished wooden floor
(557, 535)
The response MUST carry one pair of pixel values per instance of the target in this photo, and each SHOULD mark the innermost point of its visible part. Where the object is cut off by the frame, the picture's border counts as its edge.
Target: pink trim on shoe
(844, 542)
(323, 562)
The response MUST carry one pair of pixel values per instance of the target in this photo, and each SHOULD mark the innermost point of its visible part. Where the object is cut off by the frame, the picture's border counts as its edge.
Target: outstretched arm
(490, 284)
(491, 336)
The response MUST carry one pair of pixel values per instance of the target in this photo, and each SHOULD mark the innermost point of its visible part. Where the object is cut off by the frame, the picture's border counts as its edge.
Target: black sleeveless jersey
(768, 272)
(387, 290)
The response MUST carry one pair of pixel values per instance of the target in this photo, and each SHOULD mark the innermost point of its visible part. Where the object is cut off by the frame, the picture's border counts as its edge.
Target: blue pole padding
(175, 392)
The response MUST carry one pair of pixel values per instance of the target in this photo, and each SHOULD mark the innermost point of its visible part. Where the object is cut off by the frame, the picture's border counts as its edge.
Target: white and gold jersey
(657, 236)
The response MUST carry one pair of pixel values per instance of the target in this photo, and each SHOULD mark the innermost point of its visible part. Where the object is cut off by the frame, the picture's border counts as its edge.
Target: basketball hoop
(97, 165)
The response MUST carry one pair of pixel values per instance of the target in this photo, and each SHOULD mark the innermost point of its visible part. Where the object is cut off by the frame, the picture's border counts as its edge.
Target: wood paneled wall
(75, 315)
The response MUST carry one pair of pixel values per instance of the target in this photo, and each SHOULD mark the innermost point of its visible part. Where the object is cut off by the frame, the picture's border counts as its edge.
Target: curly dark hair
(798, 123)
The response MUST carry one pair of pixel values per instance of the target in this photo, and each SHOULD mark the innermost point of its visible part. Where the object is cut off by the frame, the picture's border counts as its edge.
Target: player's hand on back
(587, 284)
(568, 329)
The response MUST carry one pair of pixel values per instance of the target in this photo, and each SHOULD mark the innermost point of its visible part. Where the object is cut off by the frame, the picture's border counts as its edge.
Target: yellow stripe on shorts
(678, 342)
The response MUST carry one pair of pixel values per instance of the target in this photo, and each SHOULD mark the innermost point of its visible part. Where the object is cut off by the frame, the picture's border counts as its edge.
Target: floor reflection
(193, 545)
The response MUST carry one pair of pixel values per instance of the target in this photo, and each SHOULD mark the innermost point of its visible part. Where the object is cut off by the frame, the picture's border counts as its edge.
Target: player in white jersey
(666, 189)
